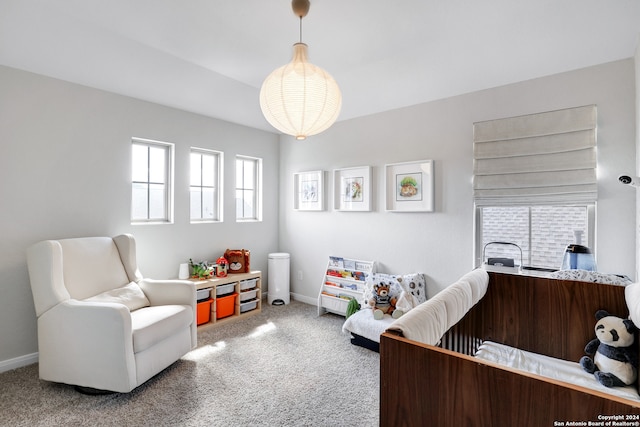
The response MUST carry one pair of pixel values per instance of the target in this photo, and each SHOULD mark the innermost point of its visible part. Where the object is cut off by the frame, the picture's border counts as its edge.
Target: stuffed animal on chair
(615, 363)
(382, 302)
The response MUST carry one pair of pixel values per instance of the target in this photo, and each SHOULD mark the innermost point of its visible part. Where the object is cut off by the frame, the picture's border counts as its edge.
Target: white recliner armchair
(101, 325)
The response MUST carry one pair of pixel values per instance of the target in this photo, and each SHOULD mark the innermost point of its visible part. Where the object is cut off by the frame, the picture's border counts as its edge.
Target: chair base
(92, 391)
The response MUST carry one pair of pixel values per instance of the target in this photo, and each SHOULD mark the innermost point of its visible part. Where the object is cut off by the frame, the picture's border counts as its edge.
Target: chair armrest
(164, 292)
(92, 323)
(88, 341)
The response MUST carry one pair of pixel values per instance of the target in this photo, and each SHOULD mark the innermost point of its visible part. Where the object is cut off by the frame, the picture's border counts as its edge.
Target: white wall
(440, 244)
(65, 172)
(64, 165)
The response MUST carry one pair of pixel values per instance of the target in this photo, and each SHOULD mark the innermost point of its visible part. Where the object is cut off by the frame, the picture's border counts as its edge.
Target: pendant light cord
(301, 29)
(300, 9)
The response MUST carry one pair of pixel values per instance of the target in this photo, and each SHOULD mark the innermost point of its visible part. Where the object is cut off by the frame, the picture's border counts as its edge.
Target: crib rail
(445, 386)
(547, 316)
(458, 339)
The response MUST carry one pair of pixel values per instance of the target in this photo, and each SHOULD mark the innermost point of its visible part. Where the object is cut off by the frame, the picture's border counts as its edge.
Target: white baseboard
(297, 297)
(18, 362)
(304, 299)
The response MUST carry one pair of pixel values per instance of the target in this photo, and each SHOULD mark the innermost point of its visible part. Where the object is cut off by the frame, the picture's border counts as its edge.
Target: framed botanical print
(308, 192)
(409, 187)
(352, 189)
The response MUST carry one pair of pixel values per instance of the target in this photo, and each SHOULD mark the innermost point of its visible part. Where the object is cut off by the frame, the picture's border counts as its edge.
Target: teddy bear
(382, 302)
(615, 360)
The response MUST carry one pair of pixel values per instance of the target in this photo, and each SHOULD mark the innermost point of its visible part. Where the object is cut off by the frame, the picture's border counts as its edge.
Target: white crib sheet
(562, 370)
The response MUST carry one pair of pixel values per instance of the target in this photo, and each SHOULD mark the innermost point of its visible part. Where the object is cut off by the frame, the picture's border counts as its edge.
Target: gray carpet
(283, 367)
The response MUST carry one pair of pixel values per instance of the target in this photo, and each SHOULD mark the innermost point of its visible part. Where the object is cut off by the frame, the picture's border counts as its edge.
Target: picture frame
(308, 191)
(352, 189)
(409, 186)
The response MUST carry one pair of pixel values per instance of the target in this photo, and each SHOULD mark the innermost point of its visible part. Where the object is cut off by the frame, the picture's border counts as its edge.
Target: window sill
(151, 222)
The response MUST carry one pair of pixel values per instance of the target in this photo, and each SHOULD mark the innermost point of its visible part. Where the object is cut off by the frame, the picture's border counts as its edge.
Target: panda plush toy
(615, 363)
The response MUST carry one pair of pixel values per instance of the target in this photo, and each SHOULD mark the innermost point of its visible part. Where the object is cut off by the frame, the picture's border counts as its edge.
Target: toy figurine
(222, 266)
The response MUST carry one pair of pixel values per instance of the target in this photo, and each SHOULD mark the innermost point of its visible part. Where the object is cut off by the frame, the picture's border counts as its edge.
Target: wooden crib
(423, 385)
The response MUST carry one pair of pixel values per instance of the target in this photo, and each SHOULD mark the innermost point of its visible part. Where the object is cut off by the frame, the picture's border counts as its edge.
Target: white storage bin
(202, 294)
(225, 289)
(248, 306)
(248, 284)
(335, 304)
(247, 295)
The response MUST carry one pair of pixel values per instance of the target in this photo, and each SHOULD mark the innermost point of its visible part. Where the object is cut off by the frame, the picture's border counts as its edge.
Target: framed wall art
(409, 187)
(308, 191)
(352, 191)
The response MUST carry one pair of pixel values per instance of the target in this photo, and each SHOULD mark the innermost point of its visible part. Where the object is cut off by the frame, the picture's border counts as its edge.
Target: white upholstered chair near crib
(101, 325)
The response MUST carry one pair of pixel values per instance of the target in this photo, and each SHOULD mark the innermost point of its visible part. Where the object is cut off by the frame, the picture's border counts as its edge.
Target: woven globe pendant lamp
(299, 98)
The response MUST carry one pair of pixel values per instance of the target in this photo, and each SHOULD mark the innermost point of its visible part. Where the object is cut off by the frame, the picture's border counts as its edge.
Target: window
(205, 189)
(151, 172)
(542, 232)
(535, 185)
(248, 188)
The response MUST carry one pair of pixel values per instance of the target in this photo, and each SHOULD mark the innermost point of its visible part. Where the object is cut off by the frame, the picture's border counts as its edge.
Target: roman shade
(536, 159)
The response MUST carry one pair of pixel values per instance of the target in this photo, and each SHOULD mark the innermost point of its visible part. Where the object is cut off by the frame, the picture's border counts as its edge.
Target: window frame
(479, 245)
(257, 199)
(169, 149)
(218, 185)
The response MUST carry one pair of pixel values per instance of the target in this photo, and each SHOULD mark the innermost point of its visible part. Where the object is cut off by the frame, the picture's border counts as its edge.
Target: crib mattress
(558, 369)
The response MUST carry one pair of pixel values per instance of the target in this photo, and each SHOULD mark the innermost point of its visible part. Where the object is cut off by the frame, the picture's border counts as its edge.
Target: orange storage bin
(204, 312)
(226, 306)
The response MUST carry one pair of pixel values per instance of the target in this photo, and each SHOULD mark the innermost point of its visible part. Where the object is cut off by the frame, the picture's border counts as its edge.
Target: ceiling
(211, 56)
